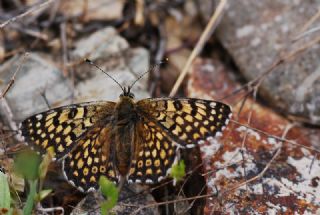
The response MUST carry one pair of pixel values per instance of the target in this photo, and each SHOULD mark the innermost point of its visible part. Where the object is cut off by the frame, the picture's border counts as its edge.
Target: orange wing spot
(58, 140)
(203, 131)
(158, 144)
(202, 112)
(140, 164)
(67, 130)
(102, 169)
(170, 106)
(59, 129)
(45, 143)
(63, 117)
(85, 171)
(148, 162)
(154, 153)
(189, 118)
(179, 120)
(94, 169)
(51, 128)
(60, 148)
(196, 136)
(80, 163)
(149, 171)
(157, 163)
(147, 153)
(89, 161)
(51, 115)
(93, 179)
(163, 154)
(202, 106)
(68, 140)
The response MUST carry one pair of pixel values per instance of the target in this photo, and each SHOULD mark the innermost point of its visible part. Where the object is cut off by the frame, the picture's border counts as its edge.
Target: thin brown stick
(260, 175)
(276, 137)
(31, 10)
(53, 12)
(12, 80)
(309, 23)
(214, 20)
(250, 86)
(30, 32)
(229, 164)
(63, 38)
(139, 13)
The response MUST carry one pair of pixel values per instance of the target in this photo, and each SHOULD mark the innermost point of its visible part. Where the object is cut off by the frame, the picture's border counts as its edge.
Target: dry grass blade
(31, 10)
(309, 23)
(276, 137)
(204, 37)
(12, 80)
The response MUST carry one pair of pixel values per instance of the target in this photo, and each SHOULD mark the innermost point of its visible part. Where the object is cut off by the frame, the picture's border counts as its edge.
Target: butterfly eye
(131, 95)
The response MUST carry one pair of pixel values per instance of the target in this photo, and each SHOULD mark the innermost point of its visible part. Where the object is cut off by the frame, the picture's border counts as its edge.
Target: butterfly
(136, 141)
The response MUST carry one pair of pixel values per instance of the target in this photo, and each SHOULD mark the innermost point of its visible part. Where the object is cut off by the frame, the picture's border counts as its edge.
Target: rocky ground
(260, 57)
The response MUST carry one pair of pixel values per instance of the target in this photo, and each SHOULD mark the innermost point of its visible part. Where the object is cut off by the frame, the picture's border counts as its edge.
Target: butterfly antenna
(93, 64)
(153, 68)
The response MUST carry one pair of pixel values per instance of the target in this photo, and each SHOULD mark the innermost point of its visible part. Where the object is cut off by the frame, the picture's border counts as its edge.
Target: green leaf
(5, 198)
(178, 171)
(27, 209)
(110, 191)
(27, 164)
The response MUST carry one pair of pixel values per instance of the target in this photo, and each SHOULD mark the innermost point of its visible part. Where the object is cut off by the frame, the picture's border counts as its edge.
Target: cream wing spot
(170, 106)
(39, 117)
(80, 113)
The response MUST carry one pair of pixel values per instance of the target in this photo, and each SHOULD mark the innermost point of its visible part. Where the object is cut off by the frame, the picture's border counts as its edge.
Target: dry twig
(203, 38)
(29, 11)
(12, 80)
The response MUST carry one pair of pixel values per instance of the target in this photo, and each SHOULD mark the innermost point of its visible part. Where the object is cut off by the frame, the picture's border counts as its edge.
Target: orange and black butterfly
(137, 141)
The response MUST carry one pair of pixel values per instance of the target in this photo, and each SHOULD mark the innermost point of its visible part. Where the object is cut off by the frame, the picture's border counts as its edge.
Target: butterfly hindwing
(61, 127)
(155, 153)
(90, 159)
(187, 121)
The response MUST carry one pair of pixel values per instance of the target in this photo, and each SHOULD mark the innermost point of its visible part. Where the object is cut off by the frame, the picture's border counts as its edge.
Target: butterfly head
(127, 93)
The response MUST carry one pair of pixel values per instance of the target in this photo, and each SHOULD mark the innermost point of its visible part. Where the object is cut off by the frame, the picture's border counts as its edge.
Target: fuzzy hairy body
(125, 119)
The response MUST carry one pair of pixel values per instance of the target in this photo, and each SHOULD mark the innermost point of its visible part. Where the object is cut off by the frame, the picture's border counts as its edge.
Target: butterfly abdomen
(124, 123)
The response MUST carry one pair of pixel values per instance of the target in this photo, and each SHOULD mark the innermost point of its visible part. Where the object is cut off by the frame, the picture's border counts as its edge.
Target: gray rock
(39, 75)
(91, 204)
(112, 53)
(36, 76)
(256, 32)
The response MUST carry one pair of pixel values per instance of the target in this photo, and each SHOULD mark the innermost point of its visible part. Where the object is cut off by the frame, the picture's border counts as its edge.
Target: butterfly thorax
(124, 125)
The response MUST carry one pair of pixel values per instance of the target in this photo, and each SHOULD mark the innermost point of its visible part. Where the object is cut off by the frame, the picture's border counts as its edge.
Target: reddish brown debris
(291, 182)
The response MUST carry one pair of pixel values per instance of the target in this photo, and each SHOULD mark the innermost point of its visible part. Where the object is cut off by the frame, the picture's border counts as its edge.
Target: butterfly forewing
(187, 121)
(155, 154)
(90, 159)
(61, 127)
